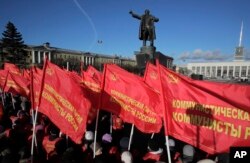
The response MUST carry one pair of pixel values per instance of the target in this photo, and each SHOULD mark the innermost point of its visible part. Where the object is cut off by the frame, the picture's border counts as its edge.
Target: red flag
(17, 84)
(3, 75)
(92, 81)
(151, 77)
(64, 102)
(208, 115)
(26, 74)
(126, 95)
(36, 81)
(12, 68)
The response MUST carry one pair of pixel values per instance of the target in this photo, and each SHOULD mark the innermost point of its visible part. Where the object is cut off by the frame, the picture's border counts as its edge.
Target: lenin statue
(147, 28)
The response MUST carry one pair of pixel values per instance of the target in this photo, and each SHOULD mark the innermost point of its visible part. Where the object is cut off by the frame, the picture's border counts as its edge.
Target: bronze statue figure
(147, 28)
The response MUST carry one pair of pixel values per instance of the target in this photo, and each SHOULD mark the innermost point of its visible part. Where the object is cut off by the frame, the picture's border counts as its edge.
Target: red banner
(36, 80)
(208, 115)
(64, 102)
(151, 77)
(12, 68)
(92, 79)
(126, 95)
(17, 84)
(26, 74)
(3, 75)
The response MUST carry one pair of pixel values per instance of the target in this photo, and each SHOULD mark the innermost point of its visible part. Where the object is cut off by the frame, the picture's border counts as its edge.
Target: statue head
(147, 12)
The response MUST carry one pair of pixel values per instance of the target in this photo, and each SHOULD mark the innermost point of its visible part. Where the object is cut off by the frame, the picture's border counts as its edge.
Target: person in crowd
(99, 157)
(126, 157)
(155, 152)
(188, 152)
(53, 144)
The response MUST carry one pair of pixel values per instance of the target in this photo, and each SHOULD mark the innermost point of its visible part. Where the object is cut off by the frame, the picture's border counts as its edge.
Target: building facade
(36, 56)
(234, 69)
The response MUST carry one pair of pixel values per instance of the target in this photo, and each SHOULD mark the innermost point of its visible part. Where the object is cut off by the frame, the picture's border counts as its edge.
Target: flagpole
(12, 99)
(33, 133)
(110, 129)
(152, 136)
(164, 111)
(96, 126)
(99, 106)
(131, 136)
(39, 100)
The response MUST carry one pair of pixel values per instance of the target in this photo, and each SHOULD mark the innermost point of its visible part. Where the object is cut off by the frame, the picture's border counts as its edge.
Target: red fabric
(117, 123)
(3, 75)
(17, 84)
(64, 102)
(92, 81)
(26, 74)
(12, 68)
(50, 145)
(208, 115)
(36, 80)
(126, 95)
(1, 110)
(151, 156)
(151, 77)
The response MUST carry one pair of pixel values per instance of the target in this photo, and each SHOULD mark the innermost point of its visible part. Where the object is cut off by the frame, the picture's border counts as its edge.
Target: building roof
(47, 47)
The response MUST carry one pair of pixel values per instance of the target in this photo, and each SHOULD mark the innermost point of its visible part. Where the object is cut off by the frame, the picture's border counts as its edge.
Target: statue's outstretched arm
(135, 15)
(156, 19)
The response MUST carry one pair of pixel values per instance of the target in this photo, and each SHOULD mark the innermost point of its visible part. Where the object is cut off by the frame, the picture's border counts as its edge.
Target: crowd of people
(112, 145)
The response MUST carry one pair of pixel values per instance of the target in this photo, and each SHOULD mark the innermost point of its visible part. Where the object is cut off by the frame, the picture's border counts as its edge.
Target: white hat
(188, 150)
(206, 161)
(171, 143)
(126, 157)
(89, 136)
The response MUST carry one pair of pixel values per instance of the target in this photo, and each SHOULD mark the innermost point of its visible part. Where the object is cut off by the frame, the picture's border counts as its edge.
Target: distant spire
(241, 33)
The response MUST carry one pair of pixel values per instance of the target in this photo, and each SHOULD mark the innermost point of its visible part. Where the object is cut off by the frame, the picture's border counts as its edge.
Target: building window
(248, 74)
(208, 71)
(219, 71)
(224, 71)
(243, 71)
(198, 70)
(237, 71)
(193, 69)
(231, 71)
(213, 71)
(36, 57)
(203, 70)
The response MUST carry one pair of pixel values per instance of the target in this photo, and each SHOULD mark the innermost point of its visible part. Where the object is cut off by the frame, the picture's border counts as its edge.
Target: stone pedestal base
(146, 54)
(150, 50)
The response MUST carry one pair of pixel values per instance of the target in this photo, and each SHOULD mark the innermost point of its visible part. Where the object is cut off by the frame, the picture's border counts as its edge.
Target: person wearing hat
(126, 157)
(99, 157)
(155, 153)
(188, 152)
(51, 142)
(206, 161)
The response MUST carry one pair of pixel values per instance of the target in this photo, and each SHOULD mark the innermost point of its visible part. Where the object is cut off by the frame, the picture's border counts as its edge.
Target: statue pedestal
(150, 50)
(145, 54)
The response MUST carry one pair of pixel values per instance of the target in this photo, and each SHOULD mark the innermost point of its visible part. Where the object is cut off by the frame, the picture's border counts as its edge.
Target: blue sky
(188, 30)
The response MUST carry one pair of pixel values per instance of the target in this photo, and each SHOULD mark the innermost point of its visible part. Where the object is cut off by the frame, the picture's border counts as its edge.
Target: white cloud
(201, 55)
